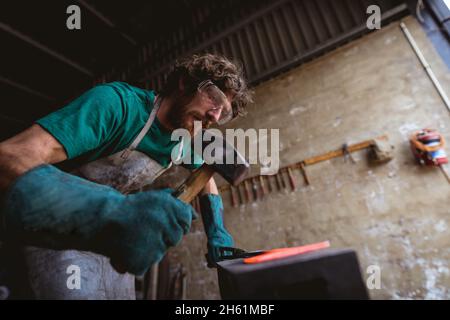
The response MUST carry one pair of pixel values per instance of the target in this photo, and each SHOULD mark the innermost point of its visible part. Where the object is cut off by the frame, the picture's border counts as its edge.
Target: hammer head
(224, 158)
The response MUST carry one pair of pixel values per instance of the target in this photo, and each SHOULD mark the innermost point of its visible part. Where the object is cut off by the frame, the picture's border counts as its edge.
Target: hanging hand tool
(338, 153)
(269, 184)
(247, 191)
(347, 153)
(241, 199)
(277, 182)
(380, 144)
(263, 185)
(303, 171)
(255, 189)
(233, 197)
(281, 179)
(291, 179)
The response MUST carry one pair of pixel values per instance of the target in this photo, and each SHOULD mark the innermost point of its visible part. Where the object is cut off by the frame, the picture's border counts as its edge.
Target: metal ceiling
(268, 40)
(43, 64)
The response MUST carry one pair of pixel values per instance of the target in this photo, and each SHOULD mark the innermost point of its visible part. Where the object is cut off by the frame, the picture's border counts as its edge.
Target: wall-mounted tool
(278, 182)
(280, 178)
(381, 150)
(291, 179)
(347, 153)
(255, 189)
(263, 186)
(339, 153)
(269, 184)
(233, 196)
(247, 191)
(303, 171)
(240, 197)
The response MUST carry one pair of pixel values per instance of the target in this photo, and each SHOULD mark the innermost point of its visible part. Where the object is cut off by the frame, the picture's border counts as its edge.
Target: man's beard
(182, 117)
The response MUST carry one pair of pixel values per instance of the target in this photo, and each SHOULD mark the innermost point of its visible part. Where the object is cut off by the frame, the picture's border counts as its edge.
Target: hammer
(233, 172)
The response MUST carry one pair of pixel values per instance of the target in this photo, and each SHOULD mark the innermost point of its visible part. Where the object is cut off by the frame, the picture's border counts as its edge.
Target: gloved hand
(50, 208)
(212, 214)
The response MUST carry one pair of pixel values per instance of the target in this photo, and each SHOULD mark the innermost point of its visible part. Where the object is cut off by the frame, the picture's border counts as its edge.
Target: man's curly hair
(227, 75)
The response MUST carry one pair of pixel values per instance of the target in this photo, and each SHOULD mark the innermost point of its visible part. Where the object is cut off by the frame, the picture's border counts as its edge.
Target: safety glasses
(219, 100)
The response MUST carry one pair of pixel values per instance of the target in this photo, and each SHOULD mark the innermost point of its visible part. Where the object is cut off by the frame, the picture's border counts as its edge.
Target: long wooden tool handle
(194, 184)
(340, 152)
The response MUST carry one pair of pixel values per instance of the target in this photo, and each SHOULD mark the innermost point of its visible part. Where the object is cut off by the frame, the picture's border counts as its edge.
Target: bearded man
(69, 181)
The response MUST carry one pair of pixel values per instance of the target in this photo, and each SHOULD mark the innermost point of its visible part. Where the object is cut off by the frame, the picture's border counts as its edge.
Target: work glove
(211, 208)
(49, 208)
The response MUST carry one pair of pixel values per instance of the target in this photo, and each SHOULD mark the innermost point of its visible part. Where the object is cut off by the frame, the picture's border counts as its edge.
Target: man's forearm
(13, 163)
(27, 150)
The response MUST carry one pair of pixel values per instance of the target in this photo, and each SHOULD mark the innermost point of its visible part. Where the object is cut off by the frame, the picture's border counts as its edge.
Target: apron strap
(180, 149)
(179, 155)
(144, 130)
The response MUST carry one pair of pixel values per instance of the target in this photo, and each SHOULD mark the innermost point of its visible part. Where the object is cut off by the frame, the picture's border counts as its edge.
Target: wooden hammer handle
(194, 183)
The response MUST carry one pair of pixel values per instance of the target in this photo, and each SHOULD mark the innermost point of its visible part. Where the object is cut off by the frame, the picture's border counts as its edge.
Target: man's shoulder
(125, 89)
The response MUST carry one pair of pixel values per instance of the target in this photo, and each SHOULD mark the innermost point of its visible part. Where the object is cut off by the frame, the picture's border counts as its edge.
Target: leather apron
(125, 171)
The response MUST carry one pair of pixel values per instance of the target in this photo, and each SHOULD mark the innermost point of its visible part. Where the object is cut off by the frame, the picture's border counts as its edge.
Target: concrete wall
(395, 215)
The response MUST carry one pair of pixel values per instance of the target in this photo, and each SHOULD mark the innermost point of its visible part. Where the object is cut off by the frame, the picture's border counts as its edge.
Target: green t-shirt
(105, 120)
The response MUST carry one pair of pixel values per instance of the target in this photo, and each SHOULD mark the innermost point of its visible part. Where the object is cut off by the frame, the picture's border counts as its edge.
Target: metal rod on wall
(425, 65)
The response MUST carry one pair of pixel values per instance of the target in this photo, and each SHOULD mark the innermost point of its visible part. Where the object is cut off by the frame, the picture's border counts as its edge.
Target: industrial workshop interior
(258, 150)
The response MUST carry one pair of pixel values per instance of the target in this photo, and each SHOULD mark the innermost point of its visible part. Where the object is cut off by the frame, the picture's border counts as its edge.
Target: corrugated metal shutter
(268, 39)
